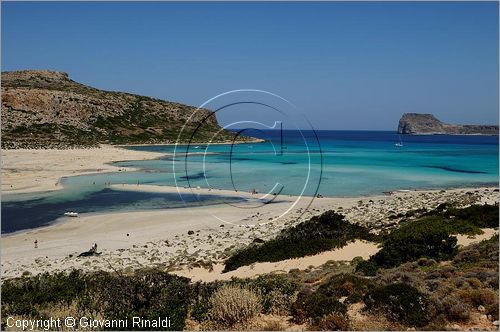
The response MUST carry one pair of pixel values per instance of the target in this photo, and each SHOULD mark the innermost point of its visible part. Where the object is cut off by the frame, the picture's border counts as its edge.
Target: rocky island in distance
(428, 124)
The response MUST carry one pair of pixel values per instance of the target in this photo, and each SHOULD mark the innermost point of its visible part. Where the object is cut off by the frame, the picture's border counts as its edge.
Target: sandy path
(347, 253)
(465, 240)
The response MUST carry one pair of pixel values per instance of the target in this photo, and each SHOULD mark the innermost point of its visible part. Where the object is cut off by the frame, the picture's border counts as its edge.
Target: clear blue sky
(345, 65)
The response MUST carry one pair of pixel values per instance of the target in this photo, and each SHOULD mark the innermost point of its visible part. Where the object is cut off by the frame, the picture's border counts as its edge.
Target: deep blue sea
(330, 163)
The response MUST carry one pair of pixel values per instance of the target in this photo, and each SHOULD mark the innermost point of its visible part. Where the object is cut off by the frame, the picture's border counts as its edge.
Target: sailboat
(400, 143)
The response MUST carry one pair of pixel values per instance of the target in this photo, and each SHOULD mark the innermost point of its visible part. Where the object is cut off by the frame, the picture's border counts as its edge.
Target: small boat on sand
(71, 214)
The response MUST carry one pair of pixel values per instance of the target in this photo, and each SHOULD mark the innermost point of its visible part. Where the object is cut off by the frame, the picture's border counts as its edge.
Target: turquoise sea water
(330, 163)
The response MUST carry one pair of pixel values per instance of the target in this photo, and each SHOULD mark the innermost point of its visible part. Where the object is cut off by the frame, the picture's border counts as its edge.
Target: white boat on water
(400, 143)
(71, 214)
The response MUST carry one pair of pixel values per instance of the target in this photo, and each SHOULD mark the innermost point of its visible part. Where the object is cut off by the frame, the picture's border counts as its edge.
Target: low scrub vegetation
(233, 304)
(407, 244)
(422, 280)
(149, 294)
(320, 233)
(331, 322)
(430, 236)
(350, 286)
(277, 292)
(483, 216)
(400, 302)
(314, 306)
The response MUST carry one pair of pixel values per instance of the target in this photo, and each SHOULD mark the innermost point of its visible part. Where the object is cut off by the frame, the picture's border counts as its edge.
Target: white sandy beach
(188, 241)
(30, 170)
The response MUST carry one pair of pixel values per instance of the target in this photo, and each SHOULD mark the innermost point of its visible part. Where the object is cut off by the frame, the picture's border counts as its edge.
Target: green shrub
(276, 250)
(351, 286)
(408, 244)
(483, 216)
(480, 255)
(429, 237)
(315, 306)
(399, 302)
(200, 310)
(148, 293)
(23, 296)
(439, 223)
(368, 267)
(201, 300)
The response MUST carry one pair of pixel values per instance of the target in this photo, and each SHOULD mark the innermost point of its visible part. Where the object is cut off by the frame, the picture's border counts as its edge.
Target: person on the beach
(36, 243)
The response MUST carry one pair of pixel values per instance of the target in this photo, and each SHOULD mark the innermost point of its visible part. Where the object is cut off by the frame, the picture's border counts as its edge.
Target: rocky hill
(42, 109)
(417, 123)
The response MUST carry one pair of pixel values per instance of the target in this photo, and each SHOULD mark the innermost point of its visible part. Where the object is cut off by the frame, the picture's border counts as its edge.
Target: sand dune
(354, 249)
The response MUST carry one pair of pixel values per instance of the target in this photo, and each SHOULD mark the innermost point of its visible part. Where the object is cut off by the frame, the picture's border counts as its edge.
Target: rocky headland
(428, 124)
(47, 109)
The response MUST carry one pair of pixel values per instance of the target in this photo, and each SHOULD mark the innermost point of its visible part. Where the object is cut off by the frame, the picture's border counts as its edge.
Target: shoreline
(248, 196)
(252, 141)
(41, 170)
(27, 171)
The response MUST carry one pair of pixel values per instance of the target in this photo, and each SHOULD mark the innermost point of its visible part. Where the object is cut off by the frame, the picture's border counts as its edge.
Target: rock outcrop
(428, 124)
(42, 109)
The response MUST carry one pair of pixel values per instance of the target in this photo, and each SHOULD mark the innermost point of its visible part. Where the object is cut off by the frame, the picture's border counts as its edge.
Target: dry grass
(362, 320)
(486, 297)
(233, 305)
(274, 325)
(332, 322)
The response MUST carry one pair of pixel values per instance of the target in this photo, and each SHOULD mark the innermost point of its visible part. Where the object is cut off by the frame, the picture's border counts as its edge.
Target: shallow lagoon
(330, 163)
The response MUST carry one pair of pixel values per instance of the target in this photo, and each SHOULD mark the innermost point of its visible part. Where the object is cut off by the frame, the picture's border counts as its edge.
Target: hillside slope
(42, 109)
(417, 123)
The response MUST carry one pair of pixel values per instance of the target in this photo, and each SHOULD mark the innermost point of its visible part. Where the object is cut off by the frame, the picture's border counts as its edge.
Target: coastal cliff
(417, 123)
(46, 109)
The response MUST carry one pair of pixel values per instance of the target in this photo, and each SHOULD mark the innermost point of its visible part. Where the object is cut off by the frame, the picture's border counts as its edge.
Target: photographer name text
(86, 322)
